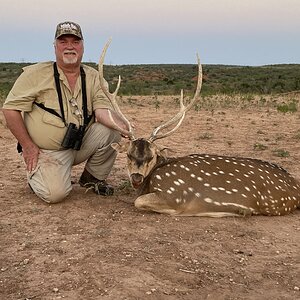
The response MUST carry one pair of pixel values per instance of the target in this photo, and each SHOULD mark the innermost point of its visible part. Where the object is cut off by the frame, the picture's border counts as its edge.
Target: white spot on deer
(208, 200)
(158, 177)
(237, 205)
(178, 200)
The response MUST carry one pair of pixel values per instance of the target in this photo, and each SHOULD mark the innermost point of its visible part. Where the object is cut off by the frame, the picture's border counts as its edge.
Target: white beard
(70, 59)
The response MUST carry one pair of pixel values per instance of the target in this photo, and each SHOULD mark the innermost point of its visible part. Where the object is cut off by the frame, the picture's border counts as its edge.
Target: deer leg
(152, 202)
(155, 202)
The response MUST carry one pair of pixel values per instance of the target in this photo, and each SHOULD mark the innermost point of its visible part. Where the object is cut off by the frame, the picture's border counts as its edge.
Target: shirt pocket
(50, 118)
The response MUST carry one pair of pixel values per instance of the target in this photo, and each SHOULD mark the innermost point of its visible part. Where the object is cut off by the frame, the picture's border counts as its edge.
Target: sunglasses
(74, 104)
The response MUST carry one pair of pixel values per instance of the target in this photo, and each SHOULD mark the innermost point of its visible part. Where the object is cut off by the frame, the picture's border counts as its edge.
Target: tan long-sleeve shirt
(37, 84)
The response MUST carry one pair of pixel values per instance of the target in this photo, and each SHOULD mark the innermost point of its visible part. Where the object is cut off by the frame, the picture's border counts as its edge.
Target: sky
(230, 32)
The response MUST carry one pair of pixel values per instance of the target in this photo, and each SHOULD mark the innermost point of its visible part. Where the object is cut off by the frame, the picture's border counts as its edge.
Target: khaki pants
(51, 180)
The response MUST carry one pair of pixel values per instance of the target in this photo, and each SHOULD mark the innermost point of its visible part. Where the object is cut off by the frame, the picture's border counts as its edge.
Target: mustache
(70, 52)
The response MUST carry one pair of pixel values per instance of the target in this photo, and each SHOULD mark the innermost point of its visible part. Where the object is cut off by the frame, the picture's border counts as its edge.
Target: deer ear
(121, 147)
(164, 151)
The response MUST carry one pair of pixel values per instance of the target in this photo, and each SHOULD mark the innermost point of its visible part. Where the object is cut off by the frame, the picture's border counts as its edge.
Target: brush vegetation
(169, 79)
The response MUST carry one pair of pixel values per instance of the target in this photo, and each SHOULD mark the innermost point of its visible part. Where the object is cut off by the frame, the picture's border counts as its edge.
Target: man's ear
(121, 146)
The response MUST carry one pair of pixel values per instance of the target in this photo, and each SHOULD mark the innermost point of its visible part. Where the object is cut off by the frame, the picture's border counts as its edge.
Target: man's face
(68, 50)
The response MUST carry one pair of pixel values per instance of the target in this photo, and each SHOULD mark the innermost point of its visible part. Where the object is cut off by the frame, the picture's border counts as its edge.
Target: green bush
(169, 79)
(289, 107)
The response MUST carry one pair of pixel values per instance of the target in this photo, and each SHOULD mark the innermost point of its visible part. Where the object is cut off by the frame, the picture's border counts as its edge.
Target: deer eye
(148, 159)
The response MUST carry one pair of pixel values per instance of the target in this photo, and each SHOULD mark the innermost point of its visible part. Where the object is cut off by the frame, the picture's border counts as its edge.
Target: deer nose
(136, 179)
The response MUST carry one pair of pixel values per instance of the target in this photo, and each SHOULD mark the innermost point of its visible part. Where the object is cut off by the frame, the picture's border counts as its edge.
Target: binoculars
(73, 137)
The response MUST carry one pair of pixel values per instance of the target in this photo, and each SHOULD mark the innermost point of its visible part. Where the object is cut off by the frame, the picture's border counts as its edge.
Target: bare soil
(92, 247)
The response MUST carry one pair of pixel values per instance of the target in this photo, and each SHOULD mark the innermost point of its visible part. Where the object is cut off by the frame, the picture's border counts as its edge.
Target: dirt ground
(91, 247)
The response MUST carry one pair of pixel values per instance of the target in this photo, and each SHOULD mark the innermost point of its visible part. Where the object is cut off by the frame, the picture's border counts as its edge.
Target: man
(59, 115)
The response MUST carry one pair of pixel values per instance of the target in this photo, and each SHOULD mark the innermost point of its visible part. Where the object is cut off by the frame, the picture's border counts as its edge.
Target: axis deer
(200, 184)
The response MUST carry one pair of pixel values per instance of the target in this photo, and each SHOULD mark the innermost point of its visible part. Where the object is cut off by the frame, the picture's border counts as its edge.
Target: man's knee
(50, 194)
(109, 135)
(51, 180)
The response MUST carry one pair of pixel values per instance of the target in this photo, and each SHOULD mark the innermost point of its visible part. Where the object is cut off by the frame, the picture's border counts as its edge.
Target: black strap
(58, 89)
(49, 110)
(86, 117)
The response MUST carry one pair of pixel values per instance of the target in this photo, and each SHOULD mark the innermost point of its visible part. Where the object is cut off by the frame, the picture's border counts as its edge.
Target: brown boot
(100, 187)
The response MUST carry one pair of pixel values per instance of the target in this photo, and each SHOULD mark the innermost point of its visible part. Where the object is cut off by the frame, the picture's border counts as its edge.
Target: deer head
(142, 153)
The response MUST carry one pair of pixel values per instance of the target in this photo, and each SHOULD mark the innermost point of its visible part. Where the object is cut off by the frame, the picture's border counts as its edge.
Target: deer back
(213, 185)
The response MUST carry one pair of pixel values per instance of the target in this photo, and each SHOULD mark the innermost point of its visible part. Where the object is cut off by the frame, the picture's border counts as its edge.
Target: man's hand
(113, 120)
(31, 156)
(16, 125)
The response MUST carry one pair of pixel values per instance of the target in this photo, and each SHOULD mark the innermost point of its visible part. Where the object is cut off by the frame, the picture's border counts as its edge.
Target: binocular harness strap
(86, 117)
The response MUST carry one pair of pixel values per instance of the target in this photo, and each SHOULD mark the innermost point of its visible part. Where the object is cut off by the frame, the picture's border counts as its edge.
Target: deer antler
(112, 96)
(181, 114)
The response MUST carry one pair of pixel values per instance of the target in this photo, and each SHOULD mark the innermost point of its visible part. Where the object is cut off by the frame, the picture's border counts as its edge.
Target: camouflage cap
(68, 28)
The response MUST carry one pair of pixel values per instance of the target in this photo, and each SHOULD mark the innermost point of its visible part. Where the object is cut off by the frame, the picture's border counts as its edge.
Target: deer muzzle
(136, 179)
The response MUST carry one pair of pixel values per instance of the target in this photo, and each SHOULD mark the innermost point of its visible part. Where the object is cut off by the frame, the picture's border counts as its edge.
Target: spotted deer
(200, 184)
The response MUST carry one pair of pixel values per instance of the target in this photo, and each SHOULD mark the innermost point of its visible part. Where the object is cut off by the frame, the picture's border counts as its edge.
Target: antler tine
(112, 96)
(183, 109)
